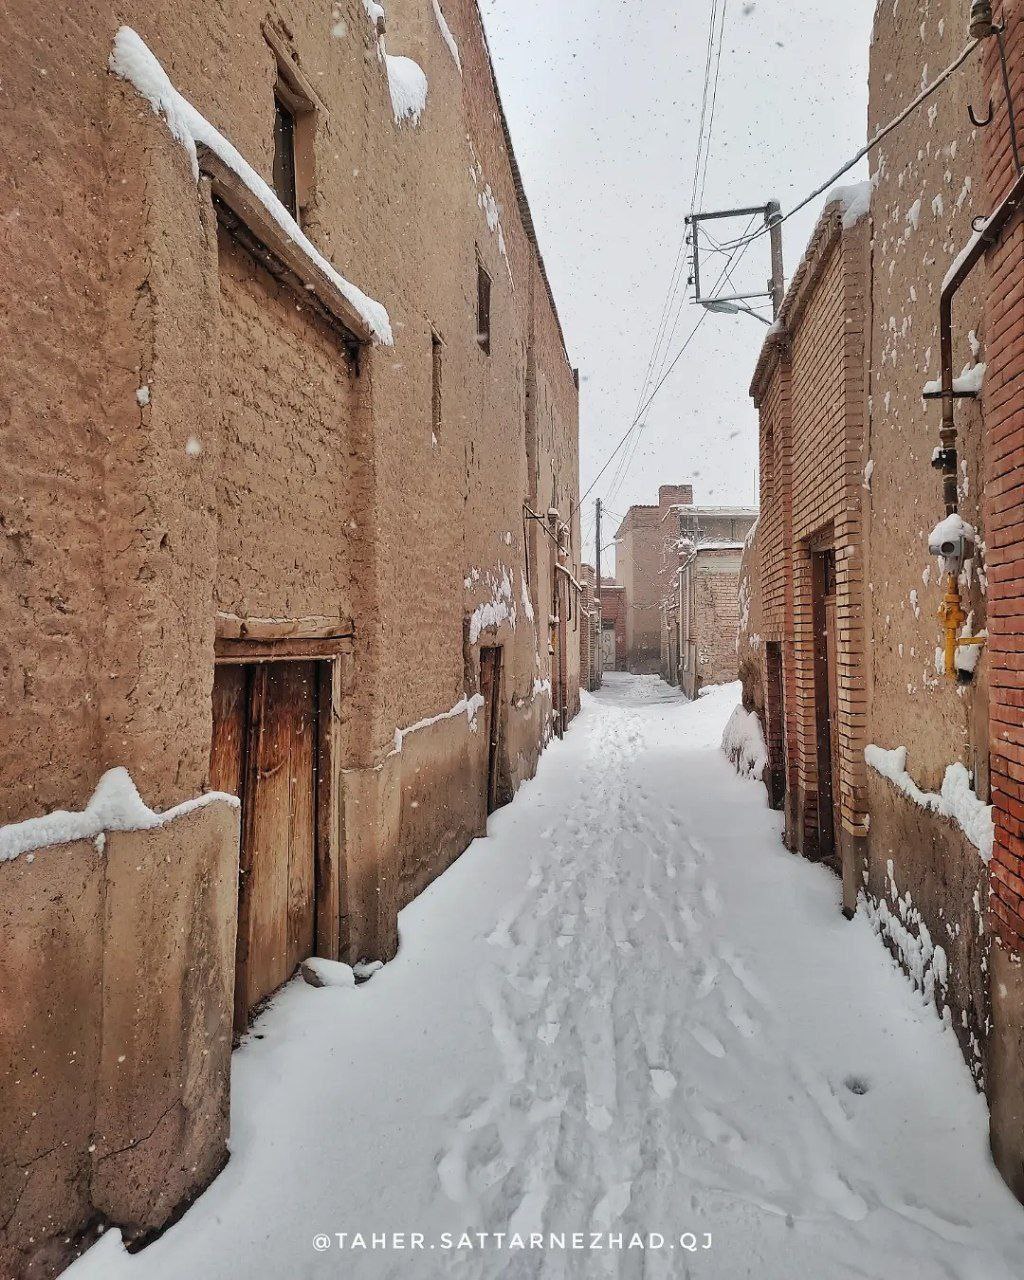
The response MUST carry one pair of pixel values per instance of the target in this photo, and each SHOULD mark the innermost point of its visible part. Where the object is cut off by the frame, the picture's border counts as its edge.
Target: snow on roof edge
(132, 60)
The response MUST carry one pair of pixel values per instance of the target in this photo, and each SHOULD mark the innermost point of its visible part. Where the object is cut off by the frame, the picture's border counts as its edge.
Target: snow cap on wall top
(115, 806)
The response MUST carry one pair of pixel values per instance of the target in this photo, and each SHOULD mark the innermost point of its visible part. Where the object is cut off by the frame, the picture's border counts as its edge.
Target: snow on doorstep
(743, 742)
(855, 200)
(132, 60)
(956, 800)
(327, 973)
(467, 707)
(446, 35)
(408, 85)
(115, 806)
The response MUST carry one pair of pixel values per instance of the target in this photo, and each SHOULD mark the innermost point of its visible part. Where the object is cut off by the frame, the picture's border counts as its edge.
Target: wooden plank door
(230, 729)
(775, 706)
(271, 709)
(823, 577)
(608, 649)
(490, 690)
(281, 834)
(833, 708)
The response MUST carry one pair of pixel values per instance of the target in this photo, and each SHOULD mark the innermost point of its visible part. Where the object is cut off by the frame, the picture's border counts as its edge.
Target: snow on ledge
(970, 381)
(467, 707)
(132, 60)
(446, 34)
(956, 800)
(407, 84)
(115, 806)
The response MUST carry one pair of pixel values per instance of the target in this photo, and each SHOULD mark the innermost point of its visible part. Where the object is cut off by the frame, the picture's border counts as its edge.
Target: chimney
(670, 495)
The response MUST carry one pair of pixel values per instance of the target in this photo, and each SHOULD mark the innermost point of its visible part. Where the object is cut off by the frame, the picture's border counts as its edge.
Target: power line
(666, 325)
(714, 100)
(882, 133)
(744, 241)
(623, 470)
(663, 336)
(659, 384)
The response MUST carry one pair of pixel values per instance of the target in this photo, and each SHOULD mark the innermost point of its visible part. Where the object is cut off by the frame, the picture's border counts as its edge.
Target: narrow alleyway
(629, 1009)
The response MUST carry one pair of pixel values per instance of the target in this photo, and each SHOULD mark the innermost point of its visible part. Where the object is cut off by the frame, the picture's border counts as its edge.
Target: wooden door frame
(333, 656)
(494, 715)
(820, 555)
(775, 675)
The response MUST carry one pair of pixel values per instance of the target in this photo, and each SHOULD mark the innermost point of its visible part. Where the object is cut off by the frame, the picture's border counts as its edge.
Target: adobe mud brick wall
(115, 1032)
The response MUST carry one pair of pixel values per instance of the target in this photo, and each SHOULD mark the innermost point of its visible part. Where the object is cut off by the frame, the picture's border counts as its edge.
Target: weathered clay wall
(180, 437)
(118, 961)
(289, 470)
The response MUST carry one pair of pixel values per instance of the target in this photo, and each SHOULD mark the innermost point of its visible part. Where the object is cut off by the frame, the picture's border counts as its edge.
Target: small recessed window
(483, 309)
(284, 156)
(436, 352)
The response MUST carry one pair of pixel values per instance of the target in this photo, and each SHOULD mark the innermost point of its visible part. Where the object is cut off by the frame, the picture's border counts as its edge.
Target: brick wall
(645, 565)
(810, 390)
(708, 627)
(1004, 508)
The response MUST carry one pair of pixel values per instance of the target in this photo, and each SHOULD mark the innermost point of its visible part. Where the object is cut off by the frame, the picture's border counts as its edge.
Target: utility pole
(599, 674)
(773, 219)
(736, 303)
(598, 554)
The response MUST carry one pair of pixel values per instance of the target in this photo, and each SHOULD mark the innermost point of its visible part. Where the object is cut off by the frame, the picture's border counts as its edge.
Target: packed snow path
(628, 1009)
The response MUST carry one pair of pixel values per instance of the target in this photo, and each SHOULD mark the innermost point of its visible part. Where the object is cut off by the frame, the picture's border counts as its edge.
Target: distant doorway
(265, 750)
(776, 718)
(826, 697)
(608, 655)
(490, 691)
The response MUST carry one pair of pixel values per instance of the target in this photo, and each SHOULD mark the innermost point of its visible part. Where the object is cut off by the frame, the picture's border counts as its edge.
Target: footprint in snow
(598, 1117)
(708, 1041)
(663, 1082)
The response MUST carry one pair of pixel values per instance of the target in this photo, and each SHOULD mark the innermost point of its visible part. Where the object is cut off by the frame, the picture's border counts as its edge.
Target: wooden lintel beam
(232, 627)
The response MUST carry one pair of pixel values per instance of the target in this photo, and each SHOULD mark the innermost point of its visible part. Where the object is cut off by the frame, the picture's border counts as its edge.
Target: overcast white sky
(603, 99)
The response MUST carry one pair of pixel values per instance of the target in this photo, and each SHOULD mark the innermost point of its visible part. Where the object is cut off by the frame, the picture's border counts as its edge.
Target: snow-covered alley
(629, 1009)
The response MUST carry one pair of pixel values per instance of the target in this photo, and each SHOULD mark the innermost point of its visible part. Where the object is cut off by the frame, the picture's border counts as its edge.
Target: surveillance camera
(952, 541)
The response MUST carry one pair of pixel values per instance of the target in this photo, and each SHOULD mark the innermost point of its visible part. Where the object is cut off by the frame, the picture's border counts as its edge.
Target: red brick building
(809, 388)
(891, 683)
(613, 626)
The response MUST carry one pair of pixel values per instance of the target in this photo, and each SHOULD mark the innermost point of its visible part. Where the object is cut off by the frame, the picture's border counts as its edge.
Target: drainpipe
(945, 459)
